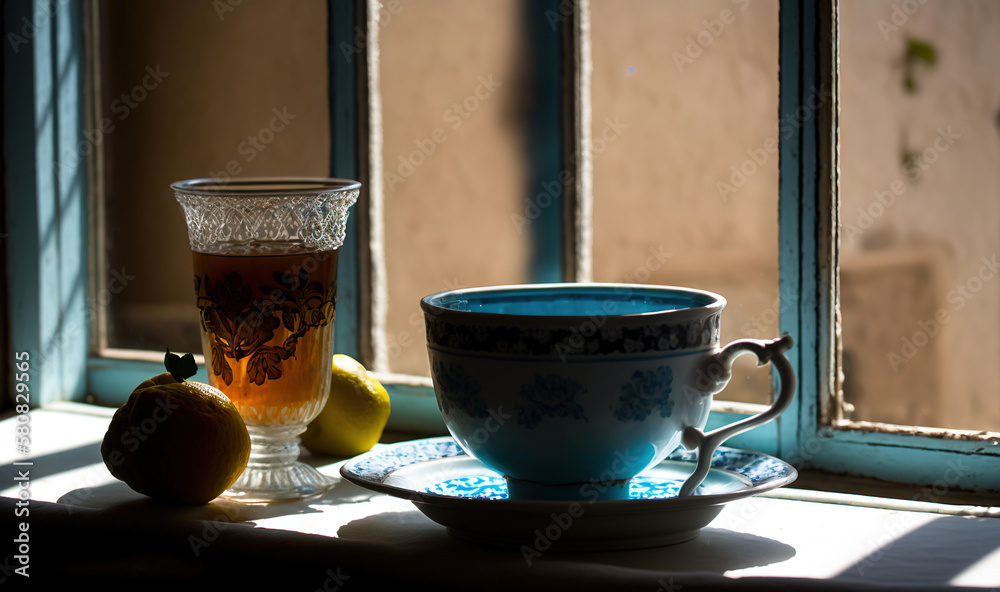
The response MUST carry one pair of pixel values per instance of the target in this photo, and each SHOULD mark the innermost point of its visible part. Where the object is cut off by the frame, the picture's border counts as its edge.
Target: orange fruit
(177, 441)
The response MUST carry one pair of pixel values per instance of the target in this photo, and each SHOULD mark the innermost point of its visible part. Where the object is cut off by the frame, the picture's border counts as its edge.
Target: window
(191, 90)
(571, 51)
(919, 216)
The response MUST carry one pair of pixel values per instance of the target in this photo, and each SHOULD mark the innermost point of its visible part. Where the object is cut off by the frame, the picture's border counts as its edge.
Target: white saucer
(458, 492)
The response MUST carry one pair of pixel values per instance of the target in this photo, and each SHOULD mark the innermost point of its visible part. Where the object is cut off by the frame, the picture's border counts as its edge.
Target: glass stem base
(274, 472)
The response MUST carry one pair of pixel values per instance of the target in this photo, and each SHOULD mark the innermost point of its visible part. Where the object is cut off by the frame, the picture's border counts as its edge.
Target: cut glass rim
(265, 186)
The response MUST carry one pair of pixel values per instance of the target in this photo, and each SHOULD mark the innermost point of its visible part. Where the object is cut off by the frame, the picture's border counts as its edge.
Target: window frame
(47, 213)
(49, 102)
(812, 433)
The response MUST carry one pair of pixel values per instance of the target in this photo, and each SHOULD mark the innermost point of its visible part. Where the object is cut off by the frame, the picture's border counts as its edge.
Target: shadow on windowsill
(121, 503)
(715, 550)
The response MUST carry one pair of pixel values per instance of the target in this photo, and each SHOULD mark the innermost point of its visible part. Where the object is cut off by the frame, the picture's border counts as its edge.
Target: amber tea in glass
(267, 322)
(265, 278)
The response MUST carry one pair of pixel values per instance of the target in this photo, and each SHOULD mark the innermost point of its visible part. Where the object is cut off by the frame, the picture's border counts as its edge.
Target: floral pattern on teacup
(591, 338)
(548, 397)
(456, 389)
(644, 393)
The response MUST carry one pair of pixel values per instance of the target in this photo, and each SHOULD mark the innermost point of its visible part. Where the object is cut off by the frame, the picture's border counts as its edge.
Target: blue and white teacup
(571, 390)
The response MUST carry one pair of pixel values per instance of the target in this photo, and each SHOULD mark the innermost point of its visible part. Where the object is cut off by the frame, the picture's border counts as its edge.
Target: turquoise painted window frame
(49, 217)
(46, 195)
(810, 433)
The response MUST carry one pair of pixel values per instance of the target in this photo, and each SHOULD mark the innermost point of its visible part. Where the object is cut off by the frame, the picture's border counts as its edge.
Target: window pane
(685, 130)
(457, 102)
(197, 89)
(920, 212)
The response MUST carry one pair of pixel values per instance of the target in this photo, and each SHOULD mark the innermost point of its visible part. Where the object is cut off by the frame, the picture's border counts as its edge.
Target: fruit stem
(180, 367)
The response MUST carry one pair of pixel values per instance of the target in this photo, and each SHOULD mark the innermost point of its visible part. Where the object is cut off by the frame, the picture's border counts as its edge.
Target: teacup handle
(721, 364)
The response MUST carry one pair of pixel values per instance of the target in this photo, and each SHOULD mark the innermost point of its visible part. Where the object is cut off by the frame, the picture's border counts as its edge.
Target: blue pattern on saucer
(755, 467)
(376, 465)
(643, 488)
(495, 488)
(479, 487)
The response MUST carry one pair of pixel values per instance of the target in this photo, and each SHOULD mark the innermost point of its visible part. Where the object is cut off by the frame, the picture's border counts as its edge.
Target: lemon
(177, 441)
(355, 414)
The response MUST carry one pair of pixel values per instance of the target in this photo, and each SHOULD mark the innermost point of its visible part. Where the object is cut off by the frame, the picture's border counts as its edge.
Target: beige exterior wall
(942, 224)
(690, 120)
(456, 101)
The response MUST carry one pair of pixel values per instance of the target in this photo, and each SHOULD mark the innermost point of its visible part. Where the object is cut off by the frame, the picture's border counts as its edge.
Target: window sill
(86, 525)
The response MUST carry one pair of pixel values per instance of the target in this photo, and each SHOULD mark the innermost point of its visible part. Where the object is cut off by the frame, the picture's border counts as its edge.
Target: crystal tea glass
(265, 276)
